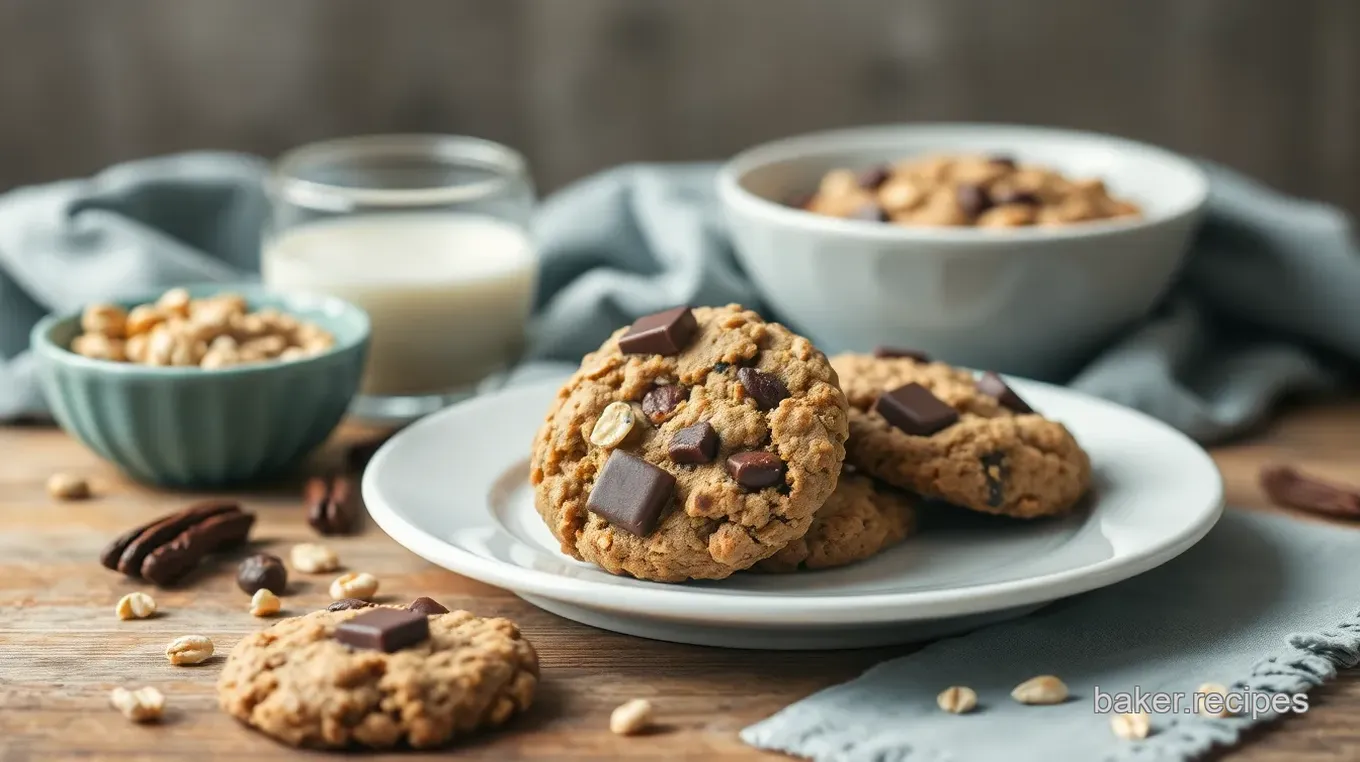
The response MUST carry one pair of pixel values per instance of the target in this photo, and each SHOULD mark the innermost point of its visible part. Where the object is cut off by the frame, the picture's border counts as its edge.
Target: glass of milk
(428, 234)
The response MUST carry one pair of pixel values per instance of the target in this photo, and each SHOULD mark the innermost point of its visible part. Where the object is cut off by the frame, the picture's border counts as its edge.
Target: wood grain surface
(62, 649)
(1267, 86)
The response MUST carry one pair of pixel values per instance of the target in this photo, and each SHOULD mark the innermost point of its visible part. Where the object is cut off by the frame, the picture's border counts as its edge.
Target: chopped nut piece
(97, 346)
(136, 605)
(264, 602)
(142, 318)
(1044, 689)
(361, 585)
(957, 699)
(1131, 726)
(174, 302)
(613, 426)
(631, 717)
(104, 319)
(142, 705)
(311, 558)
(189, 649)
(1212, 707)
(65, 486)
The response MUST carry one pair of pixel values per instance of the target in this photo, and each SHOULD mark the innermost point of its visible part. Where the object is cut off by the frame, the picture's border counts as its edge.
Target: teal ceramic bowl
(190, 427)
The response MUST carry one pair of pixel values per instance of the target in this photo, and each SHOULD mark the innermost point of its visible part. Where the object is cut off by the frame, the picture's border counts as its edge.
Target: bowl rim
(733, 195)
(43, 346)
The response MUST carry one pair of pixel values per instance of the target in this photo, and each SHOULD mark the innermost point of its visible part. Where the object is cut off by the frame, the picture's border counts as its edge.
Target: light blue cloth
(1270, 287)
(1263, 603)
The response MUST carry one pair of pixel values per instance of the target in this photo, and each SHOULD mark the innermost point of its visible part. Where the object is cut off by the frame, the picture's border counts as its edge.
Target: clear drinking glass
(428, 234)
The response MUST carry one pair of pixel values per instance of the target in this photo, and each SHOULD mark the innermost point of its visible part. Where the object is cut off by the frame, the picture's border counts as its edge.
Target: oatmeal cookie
(859, 520)
(690, 446)
(296, 683)
(944, 434)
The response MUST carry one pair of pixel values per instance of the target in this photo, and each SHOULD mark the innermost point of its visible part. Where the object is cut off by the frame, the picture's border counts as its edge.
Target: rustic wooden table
(62, 649)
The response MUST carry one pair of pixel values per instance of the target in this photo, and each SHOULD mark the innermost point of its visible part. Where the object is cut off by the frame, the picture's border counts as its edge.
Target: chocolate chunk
(915, 410)
(427, 606)
(664, 333)
(262, 572)
(873, 177)
(171, 561)
(332, 505)
(893, 352)
(756, 469)
(1013, 196)
(695, 444)
(631, 493)
(766, 389)
(1291, 488)
(721, 367)
(659, 402)
(993, 385)
(869, 212)
(994, 471)
(973, 199)
(126, 553)
(345, 604)
(1005, 160)
(384, 629)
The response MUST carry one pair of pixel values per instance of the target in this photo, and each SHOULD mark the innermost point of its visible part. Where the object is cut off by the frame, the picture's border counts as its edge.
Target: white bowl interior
(1160, 182)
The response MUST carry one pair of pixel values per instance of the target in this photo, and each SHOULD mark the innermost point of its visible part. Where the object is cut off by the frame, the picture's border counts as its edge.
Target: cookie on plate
(300, 684)
(937, 430)
(691, 445)
(859, 520)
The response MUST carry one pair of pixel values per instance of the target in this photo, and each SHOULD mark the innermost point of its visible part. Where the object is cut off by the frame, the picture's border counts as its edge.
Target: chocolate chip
(659, 402)
(384, 629)
(915, 410)
(766, 389)
(171, 561)
(756, 469)
(973, 199)
(631, 493)
(1291, 488)
(262, 572)
(873, 177)
(663, 333)
(893, 352)
(721, 367)
(345, 604)
(993, 385)
(994, 471)
(1005, 160)
(126, 553)
(694, 444)
(427, 606)
(1015, 196)
(869, 212)
(332, 505)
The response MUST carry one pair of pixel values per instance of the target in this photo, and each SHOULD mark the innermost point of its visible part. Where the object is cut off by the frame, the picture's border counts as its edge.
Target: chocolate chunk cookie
(986, 452)
(859, 520)
(703, 444)
(300, 685)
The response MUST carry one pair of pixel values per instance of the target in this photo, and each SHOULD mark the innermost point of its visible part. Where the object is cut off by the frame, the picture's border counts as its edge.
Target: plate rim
(682, 602)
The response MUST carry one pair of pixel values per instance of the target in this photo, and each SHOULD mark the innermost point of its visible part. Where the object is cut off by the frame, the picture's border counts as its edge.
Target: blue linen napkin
(1268, 289)
(1264, 603)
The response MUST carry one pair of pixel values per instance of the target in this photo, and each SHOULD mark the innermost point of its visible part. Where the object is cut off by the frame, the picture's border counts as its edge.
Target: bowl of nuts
(1019, 249)
(205, 385)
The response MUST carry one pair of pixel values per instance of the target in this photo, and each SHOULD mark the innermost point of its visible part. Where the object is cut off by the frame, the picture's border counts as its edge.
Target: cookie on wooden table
(860, 520)
(378, 677)
(939, 431)
(691, 445)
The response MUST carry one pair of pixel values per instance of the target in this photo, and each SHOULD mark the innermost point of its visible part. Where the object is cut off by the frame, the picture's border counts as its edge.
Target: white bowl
(1033, 301)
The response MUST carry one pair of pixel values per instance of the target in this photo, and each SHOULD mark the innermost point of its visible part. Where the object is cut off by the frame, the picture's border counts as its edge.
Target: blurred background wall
(1269, 86)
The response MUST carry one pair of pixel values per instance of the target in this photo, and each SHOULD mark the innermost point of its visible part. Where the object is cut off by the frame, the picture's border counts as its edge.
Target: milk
(449, 294)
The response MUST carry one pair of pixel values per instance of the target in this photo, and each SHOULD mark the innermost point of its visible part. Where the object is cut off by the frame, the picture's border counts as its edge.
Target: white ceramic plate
(453, 488)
